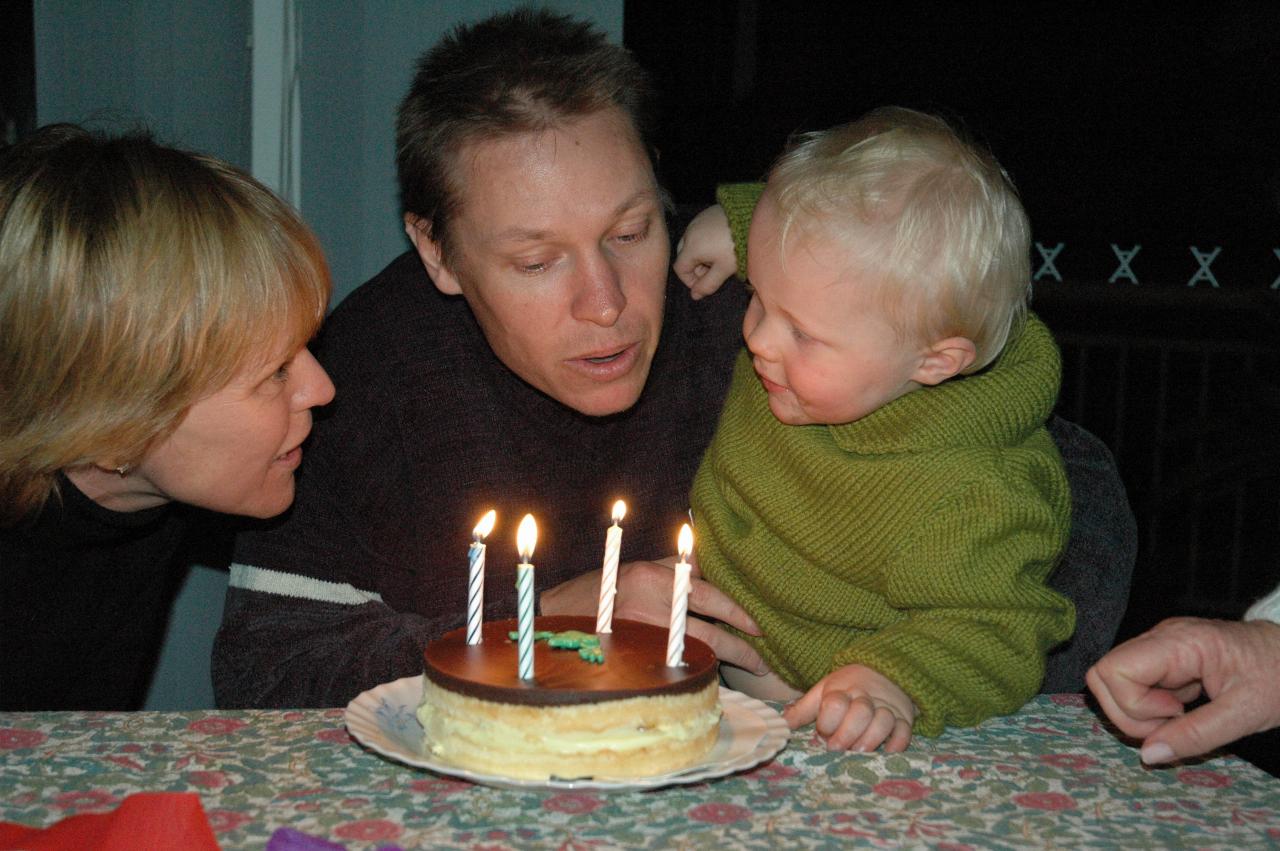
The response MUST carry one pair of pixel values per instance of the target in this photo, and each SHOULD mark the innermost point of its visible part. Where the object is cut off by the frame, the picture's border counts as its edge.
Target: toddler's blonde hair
(933, 220)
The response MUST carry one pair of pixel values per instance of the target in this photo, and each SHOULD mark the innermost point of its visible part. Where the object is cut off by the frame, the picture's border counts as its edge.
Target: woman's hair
(135, 279)
(933, 220)
(515, 72)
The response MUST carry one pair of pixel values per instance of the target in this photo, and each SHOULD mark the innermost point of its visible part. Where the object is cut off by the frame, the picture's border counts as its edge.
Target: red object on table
(158, 821)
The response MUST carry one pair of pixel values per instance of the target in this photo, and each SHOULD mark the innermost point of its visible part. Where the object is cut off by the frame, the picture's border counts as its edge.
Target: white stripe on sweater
(292, 585)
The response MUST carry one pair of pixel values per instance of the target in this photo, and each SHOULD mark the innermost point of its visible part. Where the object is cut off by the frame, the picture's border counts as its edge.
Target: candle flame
(526, 538)
(619, 511)
(685, 542)
(485, 526)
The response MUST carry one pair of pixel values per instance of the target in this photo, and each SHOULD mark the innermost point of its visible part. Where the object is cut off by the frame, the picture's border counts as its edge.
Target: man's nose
(598, 296)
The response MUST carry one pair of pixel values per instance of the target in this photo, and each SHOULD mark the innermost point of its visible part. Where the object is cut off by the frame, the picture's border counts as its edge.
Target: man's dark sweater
(428, 431)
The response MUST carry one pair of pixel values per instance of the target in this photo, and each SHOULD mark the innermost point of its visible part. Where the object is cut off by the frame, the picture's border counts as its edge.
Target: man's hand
(644, 594)
(704, 257)
(1144, 683)
(856, 708)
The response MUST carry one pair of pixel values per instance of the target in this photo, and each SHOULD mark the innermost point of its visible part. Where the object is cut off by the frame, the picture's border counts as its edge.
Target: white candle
(475, 580)
(679, 600)
(609, 574)
(526, 538)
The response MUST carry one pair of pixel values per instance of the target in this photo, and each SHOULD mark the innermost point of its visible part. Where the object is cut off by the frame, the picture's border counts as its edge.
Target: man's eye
(532, 268)
(633, 236)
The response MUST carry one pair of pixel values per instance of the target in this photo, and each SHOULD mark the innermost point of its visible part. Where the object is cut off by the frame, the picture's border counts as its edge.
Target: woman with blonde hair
(155, 307)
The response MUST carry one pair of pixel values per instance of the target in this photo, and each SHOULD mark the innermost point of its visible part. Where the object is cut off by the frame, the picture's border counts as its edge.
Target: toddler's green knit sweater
(915, 541)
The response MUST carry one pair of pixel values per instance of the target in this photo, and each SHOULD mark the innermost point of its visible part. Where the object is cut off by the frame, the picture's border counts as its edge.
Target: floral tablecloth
(1052, 775)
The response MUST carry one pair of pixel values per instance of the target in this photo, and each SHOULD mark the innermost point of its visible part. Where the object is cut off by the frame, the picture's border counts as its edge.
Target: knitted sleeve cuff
(1266, 609)
(738, 200)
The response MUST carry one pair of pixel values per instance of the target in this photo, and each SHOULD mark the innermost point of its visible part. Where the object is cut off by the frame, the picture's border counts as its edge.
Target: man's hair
(135, 280)
(932, 218)
(519, 71)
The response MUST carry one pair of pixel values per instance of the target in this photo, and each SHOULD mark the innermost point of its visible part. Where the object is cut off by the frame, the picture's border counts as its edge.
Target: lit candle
(679, 600)
(609, 575)
(526, 538)
(475, 582)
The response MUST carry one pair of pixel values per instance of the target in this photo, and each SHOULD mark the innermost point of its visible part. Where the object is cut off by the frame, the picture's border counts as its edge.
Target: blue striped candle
(475, 579)
(526, 538)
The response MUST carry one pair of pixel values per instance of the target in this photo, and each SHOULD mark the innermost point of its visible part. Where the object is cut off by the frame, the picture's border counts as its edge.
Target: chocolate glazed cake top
(635, 664)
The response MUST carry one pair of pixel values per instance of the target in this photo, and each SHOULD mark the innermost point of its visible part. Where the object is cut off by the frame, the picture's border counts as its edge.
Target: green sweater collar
(999, 406)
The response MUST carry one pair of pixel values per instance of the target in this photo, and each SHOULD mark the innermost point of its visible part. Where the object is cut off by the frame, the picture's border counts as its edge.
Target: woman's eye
(282, 373)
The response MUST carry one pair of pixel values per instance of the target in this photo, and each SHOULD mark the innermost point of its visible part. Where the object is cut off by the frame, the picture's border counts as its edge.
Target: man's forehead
(643, 199)
(527, 185)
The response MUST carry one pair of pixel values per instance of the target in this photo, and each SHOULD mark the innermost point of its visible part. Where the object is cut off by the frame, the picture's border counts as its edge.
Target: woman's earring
(123, 470)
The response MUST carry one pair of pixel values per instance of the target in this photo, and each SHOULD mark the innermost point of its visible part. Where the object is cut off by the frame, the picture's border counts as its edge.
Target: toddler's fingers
(900, 737)
(843, 718)
(856, 728)
(689, 268)
(803, 711)
(709, 280)
(877, 730)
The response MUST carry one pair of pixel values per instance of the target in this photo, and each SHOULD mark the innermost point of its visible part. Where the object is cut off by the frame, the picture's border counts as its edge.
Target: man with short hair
(573, 371)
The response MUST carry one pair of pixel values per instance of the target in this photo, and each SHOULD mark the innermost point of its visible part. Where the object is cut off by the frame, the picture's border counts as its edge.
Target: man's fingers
(727, 647)
(708, 600)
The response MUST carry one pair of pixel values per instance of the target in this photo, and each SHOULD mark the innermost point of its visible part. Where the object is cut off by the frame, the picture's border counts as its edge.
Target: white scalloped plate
(384, 720)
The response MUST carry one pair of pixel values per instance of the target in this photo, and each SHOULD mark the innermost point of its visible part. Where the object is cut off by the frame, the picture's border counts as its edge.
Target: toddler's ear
(945, 359)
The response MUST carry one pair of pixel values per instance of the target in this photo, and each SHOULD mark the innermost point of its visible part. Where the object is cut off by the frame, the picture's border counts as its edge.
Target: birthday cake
(602, 706)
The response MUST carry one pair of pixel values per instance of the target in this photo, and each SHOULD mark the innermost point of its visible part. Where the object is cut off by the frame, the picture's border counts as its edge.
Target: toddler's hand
(856, 708)
(704, 257)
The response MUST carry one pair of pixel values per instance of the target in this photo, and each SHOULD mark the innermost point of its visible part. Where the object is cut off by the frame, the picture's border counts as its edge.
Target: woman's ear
(418, 230)
(945, 359)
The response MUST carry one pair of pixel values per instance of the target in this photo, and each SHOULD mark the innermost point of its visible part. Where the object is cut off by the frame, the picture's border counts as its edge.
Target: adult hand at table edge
(644, 594)
(1143, 684)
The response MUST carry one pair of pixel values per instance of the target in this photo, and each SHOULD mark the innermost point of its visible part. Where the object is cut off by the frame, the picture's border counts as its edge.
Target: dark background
(1131, 126)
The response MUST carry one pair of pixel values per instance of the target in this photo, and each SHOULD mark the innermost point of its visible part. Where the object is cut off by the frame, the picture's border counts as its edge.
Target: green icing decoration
(573, 639)
(587, 645)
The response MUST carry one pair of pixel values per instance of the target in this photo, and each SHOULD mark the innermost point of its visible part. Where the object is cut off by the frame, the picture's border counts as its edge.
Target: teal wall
(184, 70)
(180, 69)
